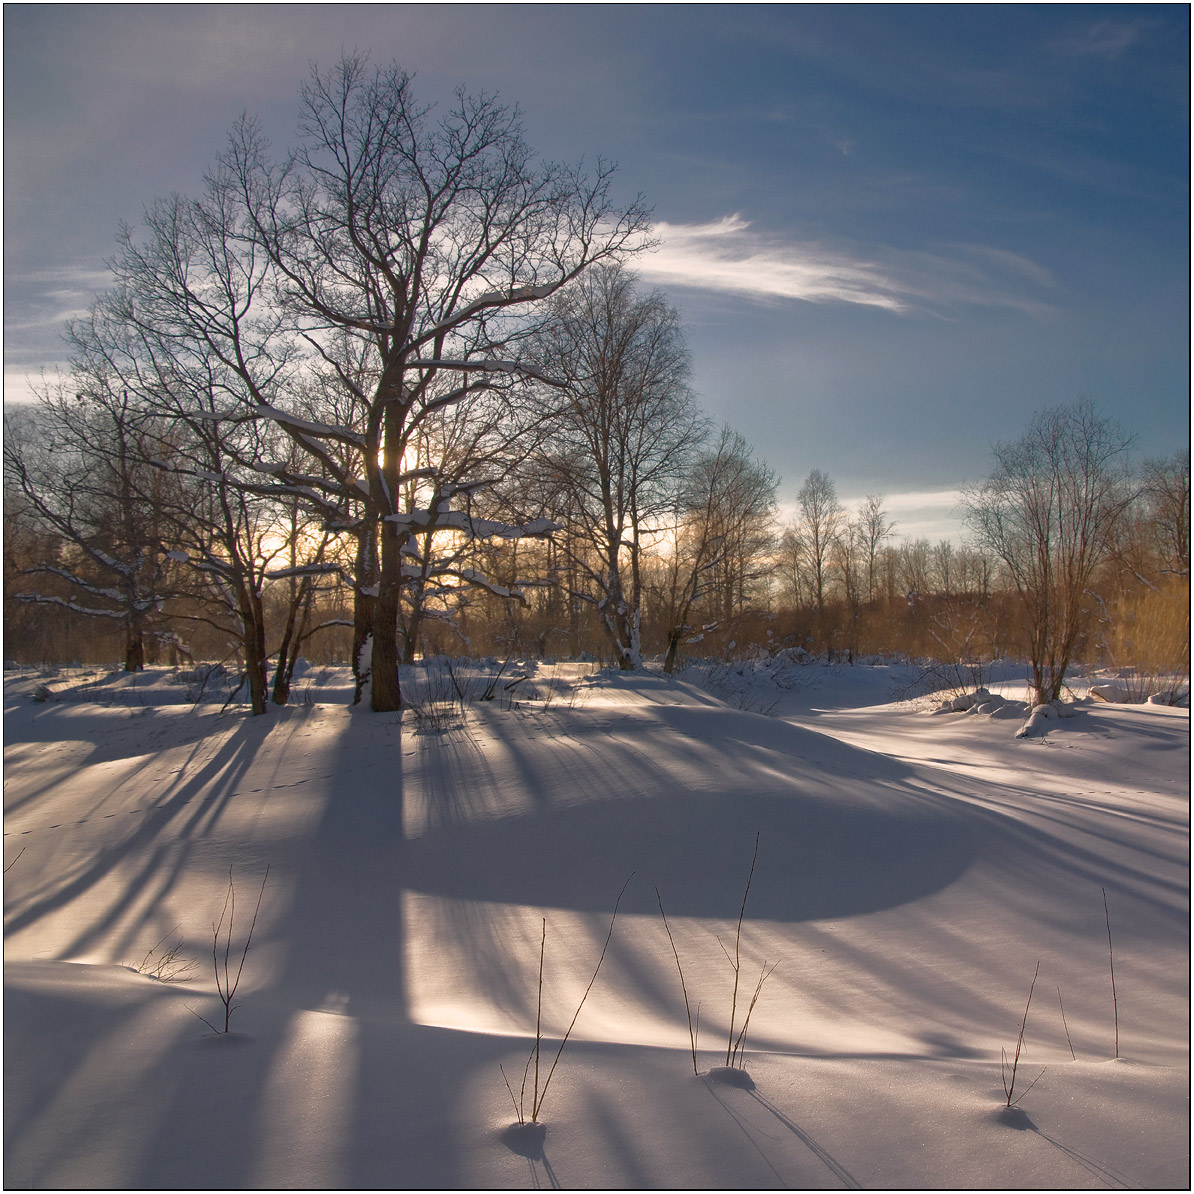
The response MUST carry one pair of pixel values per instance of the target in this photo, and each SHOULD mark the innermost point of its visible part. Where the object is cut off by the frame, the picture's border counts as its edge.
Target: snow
(912, 870)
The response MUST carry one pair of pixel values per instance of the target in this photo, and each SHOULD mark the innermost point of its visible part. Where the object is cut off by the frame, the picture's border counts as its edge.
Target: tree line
(398, 391)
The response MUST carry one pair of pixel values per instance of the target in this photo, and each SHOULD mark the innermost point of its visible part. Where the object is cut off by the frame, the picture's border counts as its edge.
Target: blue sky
(893, 232)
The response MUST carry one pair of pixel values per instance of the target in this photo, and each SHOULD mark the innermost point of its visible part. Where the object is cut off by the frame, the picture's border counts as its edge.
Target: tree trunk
(414, 626)
(253, 641)
(386, 688)
(673, 650)
(134, 648)
(285, 664)
(364, 605)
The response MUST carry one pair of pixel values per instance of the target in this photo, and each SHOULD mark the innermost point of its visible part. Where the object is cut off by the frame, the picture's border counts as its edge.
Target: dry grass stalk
(1111, 959)
(1009, 1087)
(687, 1008)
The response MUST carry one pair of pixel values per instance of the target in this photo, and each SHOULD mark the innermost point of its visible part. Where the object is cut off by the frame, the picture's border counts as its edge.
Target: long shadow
(1020, 1121)
(835, 847)
(823, 861)
(342, 934)
(158, 848)
(823, 1155)
(1093, 1167)
(337, 947)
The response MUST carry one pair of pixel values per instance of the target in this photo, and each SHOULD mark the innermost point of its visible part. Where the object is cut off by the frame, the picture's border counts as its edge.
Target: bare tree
(874, 527)
(1166, 493)
(821, 520)
(945, 568)
(622, 438)
(80, 463)
(914, 558)
(1049, 511)
(790, 558)
(406, 250)
(847, 556)
(724, 531)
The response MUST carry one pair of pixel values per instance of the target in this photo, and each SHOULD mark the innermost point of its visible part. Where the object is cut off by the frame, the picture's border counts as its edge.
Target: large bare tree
(406, 249)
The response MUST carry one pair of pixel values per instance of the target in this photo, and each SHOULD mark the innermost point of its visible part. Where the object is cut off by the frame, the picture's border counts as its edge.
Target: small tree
(1049, 511)
(727, 507)
(821, 518)
(873, 528)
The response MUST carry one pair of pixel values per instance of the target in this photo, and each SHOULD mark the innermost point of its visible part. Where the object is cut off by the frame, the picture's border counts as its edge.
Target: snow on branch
(495, 298)
(319, 430)
(74, 579)
(41, 599)
(305, 570)
(481, 581)
(476, 528)
(484, 528)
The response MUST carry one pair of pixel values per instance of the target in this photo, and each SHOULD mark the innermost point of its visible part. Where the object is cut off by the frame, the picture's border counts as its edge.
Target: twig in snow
(1066, 1026)
(539, 1101)
(1111, 958)
(740, 1043)
(537, 1095)
(226, 981)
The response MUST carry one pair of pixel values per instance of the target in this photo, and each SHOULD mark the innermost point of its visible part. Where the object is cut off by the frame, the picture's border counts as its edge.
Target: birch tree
(873, 528)
(821, 521)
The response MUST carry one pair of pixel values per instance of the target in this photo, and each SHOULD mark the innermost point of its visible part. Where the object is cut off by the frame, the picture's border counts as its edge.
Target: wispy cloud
(726, 255)
(730, 255)
(39, 305)
(1103, 39)
(924, 514)
(20, 386)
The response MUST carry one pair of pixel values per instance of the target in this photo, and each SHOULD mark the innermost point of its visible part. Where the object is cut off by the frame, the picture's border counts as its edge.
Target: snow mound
(981, 703)
(1036, 725)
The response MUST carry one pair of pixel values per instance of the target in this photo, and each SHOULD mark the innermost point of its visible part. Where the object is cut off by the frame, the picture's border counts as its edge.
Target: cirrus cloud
(729, 255)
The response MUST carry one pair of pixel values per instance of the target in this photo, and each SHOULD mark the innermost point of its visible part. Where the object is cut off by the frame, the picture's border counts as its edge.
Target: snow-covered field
(912, 871)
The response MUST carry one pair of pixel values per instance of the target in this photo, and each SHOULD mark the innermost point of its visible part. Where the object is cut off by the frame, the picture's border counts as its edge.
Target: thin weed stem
(1066, 1026)
(1111, 959)
(740, 1043)
(539, 1020)
(687, 1008)
(1009, 1087)
(737, 964)
(537, 1105)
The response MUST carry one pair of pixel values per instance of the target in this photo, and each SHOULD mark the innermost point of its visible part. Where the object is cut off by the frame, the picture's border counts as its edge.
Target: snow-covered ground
(913, 869)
